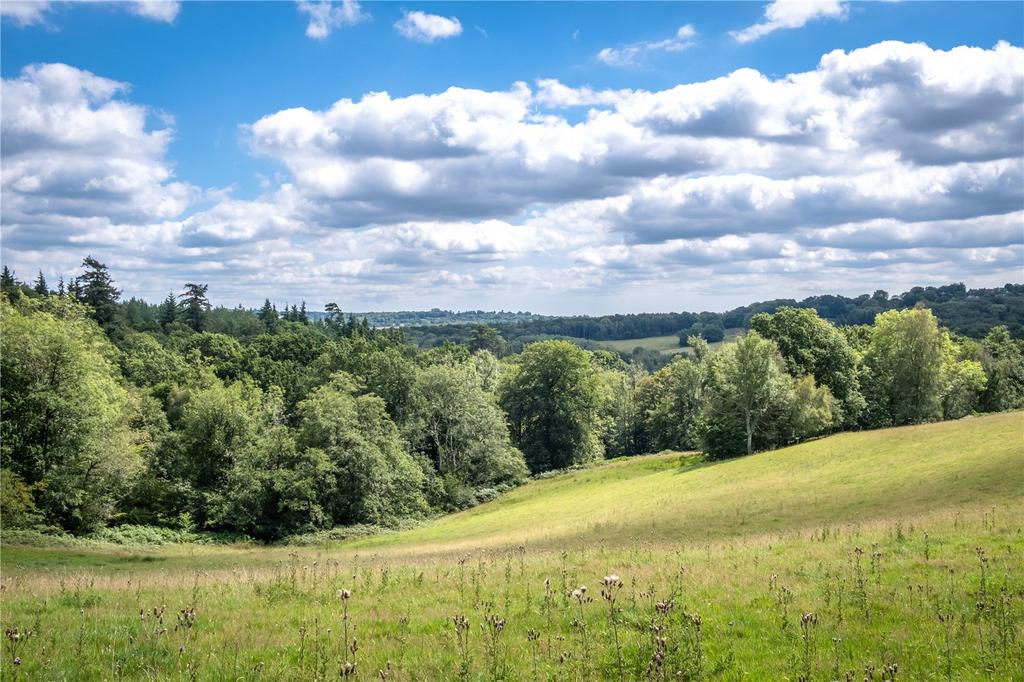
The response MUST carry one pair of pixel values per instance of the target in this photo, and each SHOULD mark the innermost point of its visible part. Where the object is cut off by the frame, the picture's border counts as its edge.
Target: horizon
(654, 157)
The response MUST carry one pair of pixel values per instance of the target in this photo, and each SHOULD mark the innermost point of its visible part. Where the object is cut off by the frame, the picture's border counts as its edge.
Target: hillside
(846, 478)
(828, 560)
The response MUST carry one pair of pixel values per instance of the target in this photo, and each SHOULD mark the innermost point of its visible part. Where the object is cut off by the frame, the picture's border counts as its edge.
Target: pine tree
(95, 287)
(303, 317)
(7, 281)
(168, 311)
(40, 285)
(194, 305)
(268, 316)
(61, 291)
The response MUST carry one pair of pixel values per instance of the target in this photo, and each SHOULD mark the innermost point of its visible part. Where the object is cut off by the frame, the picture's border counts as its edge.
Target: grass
(666, 345)
(835, 559)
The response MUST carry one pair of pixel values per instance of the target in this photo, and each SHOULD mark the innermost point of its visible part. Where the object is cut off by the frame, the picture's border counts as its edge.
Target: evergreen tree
(168, 311)
(61, 290)
(303, 317)
(194, 305)
(268, 316)
(7, 281)
(95, 287)
(40, 285)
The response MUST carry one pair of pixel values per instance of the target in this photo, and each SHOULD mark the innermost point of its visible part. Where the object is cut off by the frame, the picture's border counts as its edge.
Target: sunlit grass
(906, 546)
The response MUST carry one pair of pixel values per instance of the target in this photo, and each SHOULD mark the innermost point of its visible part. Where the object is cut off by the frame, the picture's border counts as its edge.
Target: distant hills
(970, 312)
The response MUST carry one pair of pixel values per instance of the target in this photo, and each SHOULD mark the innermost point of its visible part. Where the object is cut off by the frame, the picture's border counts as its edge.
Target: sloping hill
(847, 478)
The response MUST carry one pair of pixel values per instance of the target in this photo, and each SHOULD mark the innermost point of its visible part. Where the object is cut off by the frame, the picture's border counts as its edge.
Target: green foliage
(145, 362)
(65, 428)
(379, 483)
(748, 397)
(189, 417)
(1002, 358)
(670, 403)
(552, 396)
(17, 506)
(95, 288)
(904, 361)
(273, 489)
(488, 339)
(813, 347)
(455, 424)
(194, 305)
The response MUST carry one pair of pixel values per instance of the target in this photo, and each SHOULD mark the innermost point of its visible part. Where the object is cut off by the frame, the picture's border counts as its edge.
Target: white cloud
(633, 53)
(326, 15)
(892, 165)
(36, 12)
(157, 10)
(25, 12)
(426, 28)
(791, 14)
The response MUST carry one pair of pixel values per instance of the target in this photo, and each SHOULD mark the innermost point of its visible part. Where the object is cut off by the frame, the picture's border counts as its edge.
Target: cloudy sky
(561, 158)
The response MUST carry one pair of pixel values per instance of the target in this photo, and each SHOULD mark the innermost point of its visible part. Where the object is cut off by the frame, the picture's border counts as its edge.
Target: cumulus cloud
(634, 53)
(891, 165)
(79, 159)
(157, 10)
(36, 12)
(327, 15)
(782, 14)
(25, 12)
(426, 28)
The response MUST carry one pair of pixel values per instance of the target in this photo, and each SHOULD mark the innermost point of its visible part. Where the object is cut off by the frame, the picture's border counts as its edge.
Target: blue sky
(600, 183)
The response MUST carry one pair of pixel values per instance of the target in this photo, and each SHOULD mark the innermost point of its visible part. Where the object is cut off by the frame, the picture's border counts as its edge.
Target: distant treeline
(971, 312)
(436, 316)
(270, 423)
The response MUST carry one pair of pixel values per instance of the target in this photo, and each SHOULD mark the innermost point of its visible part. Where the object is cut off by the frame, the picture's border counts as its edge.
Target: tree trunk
(750, 435)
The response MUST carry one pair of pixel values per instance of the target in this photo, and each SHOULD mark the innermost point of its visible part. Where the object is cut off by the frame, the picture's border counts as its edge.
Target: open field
(667, 345)
(836, 559)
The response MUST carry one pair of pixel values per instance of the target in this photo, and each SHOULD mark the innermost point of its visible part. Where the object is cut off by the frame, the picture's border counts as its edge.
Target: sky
(555, 157)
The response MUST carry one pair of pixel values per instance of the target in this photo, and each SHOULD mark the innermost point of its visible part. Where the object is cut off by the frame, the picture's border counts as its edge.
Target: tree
(303, 317)
(95, 287)
(269, 317)
(812, 346)
(457, 425)
(273, 488)
(1002, 358)
(379, 482)
(670, 401)
(194, 305)
(7, 281)
(487, 338)
(213, 423)
(963, 384)
(748, 396)
(552, 397)
(813, 410)
(621, 415)
(65, 428)
(904, 359)
(168, 311)
(40, 286)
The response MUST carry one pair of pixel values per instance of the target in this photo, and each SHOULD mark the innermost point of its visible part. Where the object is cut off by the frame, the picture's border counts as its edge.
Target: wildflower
(17, 660)
(344, 594)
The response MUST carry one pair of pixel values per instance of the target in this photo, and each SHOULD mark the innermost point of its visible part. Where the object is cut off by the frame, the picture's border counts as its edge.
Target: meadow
(879, 555)
(666, 345)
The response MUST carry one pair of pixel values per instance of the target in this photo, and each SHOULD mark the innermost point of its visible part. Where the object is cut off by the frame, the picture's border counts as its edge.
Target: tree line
(269, 423)
(969, 312)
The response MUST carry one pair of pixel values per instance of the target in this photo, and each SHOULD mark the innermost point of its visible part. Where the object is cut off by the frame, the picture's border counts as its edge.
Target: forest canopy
(272, 423)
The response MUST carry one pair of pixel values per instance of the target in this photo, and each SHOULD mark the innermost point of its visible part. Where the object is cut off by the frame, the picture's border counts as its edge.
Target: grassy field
(891, 554)
(667, 345)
